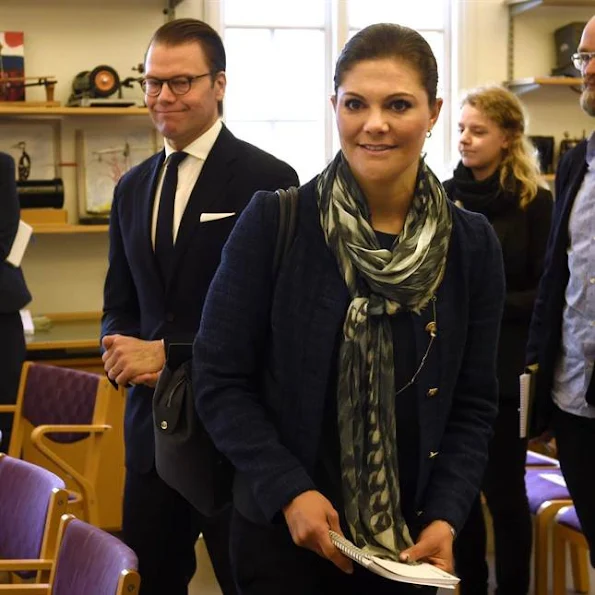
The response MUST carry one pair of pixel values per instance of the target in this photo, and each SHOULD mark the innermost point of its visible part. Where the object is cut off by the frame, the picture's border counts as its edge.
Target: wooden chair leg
(541, 557)
(580, 570)
(559, 566)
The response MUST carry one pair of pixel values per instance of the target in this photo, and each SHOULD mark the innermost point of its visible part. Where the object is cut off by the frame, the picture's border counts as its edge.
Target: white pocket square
(214, 216)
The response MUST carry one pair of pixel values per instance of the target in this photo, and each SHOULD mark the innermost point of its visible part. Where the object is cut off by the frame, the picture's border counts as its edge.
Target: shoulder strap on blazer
(288, 206)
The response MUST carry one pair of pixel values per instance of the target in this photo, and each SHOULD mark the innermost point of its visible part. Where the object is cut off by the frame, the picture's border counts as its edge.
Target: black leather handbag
(185, 456)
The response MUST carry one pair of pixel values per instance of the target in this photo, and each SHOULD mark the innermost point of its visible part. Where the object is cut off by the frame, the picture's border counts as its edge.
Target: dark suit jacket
(546, 324)
(136, 302)
(263, 355)
(13, 290)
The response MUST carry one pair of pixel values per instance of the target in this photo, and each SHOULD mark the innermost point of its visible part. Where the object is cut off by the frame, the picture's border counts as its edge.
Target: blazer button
(419, 512)
(432, 392)
(433, 454)
(169, 317)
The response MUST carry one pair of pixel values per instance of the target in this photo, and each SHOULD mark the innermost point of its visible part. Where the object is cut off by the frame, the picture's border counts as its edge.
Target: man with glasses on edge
(170, 217)
(562, 334)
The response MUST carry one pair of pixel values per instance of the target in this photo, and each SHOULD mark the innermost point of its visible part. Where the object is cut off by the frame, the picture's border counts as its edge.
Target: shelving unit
(517, 7)
(526, 85)
(72, 111)
(48, 228)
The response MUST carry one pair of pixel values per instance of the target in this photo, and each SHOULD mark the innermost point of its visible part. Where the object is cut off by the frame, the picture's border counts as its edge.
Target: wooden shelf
(54, 228)
(526, 85)
(72, 111)
(517, 7)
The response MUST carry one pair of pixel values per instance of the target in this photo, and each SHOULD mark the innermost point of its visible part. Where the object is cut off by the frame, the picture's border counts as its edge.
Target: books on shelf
(420, 573)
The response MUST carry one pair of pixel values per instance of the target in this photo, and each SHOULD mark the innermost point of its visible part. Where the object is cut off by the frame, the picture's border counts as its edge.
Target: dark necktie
(164, 239)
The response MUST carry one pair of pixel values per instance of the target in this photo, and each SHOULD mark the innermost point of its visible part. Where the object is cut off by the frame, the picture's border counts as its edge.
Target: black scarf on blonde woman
(380, 282)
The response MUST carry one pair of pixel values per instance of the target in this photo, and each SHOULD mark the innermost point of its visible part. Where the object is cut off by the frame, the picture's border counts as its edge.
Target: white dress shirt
(188, 173)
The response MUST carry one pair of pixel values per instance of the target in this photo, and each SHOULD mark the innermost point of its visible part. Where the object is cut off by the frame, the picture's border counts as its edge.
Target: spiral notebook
(421, 573)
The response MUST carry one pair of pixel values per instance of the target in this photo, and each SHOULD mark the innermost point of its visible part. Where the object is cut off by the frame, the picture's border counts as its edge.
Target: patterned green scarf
(380, 283)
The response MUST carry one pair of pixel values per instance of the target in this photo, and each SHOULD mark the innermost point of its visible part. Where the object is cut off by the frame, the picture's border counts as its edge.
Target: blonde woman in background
(499, 176)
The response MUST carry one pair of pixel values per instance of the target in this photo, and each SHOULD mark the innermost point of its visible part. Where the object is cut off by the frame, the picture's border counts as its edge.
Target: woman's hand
(309, 517)
(434, 546)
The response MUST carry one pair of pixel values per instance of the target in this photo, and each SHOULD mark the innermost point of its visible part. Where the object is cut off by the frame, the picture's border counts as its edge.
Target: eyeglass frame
(578, 61)
(188, 79)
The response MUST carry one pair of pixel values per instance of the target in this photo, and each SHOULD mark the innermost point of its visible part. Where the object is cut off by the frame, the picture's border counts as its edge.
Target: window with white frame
(280, 63)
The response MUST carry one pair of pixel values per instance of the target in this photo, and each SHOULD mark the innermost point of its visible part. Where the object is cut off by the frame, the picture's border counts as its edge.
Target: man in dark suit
(562, 335)
(13, 296)
(166, 236)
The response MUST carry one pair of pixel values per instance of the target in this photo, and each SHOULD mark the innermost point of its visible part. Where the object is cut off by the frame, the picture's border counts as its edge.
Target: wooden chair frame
(128, 584)
(579, 548)
(85, 495)
(543, 521)
(56, 508)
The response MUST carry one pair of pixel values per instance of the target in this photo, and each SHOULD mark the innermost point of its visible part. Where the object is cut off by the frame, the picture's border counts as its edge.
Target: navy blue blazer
(136, 300)
(545, 333)
(263, 354)
(13, 291)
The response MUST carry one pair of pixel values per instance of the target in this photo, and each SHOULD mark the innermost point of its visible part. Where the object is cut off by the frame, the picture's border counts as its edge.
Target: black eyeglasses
(178, 85)
(582, 59)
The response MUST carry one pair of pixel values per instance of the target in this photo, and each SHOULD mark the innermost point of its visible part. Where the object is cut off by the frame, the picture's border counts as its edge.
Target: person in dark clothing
(561, 341)
(356, 389)
(14, 295)
(498, 176)
(170, 217)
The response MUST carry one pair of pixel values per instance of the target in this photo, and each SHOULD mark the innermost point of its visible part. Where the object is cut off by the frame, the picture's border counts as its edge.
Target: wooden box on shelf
(44, 216)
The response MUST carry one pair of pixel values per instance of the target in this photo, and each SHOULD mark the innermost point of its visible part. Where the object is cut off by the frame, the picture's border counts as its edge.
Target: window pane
(434, 150)
(257, 133)
(266, 75)
(303, 13)
(300, 144)
(419, 14)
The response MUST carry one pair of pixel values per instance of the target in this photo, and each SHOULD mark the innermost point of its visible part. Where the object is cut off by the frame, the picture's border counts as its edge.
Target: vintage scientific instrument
(96, 88)
(36, 194)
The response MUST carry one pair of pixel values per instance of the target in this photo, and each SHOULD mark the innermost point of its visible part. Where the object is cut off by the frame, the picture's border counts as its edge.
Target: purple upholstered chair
(547, 493)
(536, 459)
(92, 562)
(32, 500)
(567, 529)
(89, 562)
(63, 405)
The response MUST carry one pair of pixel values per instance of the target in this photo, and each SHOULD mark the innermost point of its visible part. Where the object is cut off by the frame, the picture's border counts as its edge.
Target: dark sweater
(523, 236)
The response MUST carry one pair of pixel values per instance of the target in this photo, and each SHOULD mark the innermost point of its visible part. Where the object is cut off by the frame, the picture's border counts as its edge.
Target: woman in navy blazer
(13, 296)
(355, 391)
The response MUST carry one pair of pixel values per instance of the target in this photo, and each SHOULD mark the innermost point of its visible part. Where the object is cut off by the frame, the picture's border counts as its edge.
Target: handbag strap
(288, 206)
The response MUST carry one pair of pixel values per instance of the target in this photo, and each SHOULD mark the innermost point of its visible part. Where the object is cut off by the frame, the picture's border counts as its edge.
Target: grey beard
(587, 102)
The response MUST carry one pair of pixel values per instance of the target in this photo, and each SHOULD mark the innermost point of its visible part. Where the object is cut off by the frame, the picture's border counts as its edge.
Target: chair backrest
(63, 405)
(92, 562)
(32, 500)
(52, 395)
(567, 516)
